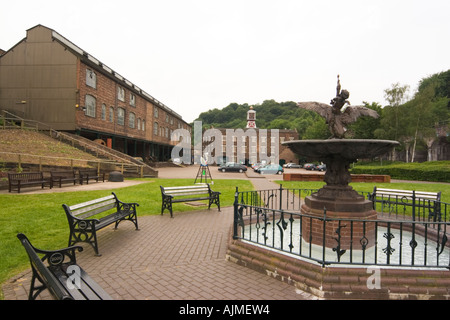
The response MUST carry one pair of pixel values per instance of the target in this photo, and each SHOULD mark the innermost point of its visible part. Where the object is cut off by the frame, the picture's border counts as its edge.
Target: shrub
(438, 171)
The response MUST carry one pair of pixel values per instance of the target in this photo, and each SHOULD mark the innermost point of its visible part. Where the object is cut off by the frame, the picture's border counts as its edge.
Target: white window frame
(91, 105)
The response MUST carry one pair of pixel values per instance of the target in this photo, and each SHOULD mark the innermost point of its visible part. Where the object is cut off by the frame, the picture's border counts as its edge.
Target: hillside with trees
(416, 121)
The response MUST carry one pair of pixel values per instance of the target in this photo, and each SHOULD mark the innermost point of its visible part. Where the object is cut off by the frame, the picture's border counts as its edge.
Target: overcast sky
(196, 55)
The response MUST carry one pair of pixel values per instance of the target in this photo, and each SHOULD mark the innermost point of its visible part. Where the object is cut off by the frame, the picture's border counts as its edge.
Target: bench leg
(167, 204)
(35, 290)
(83, 235)
(214, 200)
(132, 217)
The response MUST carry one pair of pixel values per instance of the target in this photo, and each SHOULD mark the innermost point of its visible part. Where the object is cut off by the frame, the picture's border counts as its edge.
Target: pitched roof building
(47, 78)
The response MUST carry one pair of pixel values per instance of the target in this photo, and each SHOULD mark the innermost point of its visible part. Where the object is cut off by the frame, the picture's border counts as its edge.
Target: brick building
(250, 145)
(47, 78)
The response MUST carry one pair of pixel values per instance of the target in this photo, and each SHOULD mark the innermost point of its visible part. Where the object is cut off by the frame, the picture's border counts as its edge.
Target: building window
(132, 100)
(143, 125)
(139, 124)
(121, 116)
(121, 94)
(155, 112)
(91, 78)
(103, 111)
(111, 114)
(155, 129)
(132, 120)
(91, 103)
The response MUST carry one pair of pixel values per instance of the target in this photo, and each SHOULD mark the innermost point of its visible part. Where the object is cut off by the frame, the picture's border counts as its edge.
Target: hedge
(437, 171)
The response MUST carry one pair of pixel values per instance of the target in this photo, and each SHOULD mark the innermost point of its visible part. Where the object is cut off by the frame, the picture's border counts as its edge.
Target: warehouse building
(47, 78)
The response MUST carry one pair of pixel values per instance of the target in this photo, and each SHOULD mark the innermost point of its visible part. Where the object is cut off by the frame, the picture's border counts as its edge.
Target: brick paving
(183, 258)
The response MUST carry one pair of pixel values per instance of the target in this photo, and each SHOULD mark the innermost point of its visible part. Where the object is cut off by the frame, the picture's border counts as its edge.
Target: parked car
(309, 166)
(257, 166)
(293, 165)
(232, 167)
(271, 168)
(321, 167)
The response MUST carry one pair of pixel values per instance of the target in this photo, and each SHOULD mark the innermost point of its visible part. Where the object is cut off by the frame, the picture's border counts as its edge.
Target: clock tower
(251, 118)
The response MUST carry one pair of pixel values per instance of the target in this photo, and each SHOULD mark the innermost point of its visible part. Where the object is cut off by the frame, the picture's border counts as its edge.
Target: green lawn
(41, 216)
(42, 219)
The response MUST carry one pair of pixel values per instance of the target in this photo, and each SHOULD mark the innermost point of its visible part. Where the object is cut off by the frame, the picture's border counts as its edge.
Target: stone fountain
(337, 199)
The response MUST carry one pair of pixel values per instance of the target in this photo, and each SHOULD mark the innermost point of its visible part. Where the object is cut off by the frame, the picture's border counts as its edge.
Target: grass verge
(42, 218)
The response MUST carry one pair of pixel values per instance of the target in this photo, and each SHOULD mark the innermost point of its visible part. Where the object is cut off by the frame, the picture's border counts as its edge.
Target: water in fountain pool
(397, 252)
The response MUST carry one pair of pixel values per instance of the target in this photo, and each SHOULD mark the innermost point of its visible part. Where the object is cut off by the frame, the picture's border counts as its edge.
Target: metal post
(324, 226)
(235, 219)
(281, 197)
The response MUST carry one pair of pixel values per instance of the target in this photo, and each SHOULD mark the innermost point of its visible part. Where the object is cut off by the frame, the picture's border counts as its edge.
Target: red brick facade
(329, 282)
(123, 111)
(68, 89)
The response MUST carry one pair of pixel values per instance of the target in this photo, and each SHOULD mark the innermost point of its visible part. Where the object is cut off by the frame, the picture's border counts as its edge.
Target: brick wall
(330, 282)
(106, 93)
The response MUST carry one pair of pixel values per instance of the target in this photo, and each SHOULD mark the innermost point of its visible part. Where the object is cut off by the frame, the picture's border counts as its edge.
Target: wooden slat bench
(59, 177)
(59, 272)
(90, 174)
(25, 179)
(417, 199)
(198, 192)
(83, 228)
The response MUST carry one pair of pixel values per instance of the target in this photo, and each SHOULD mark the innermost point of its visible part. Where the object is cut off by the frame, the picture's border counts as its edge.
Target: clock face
(251, 124)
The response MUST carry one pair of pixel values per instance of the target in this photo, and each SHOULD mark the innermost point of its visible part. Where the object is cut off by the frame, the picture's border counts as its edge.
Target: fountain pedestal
(336, 232)
(332, 205)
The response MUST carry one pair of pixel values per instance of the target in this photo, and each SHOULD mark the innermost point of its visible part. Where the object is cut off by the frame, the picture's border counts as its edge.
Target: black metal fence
(273, 219)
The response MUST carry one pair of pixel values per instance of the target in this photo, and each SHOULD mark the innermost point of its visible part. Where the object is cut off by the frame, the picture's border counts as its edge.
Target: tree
(426, 111)
(364, 127)
(319, 130)
(395, 96)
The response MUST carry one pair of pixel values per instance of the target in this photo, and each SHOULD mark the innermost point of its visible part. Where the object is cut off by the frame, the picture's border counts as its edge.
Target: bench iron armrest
(125, 205)
(54, 257)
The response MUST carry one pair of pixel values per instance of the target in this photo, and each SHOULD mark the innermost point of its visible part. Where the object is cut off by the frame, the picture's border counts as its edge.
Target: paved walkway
(183, 258)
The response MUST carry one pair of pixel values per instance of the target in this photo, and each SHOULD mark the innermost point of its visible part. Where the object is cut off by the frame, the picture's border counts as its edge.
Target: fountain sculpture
(337, 199)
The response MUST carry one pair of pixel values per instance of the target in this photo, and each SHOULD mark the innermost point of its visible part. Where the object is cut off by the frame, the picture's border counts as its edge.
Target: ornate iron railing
(273, 219)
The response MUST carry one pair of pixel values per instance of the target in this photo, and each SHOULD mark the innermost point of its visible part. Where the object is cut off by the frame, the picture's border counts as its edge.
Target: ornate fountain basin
(348, 149)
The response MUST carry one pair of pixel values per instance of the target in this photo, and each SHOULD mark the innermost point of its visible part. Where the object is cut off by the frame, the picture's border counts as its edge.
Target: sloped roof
(97, 64)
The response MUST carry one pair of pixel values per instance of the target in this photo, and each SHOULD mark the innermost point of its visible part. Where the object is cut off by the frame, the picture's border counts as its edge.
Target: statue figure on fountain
(337, 196)
(337, 115)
